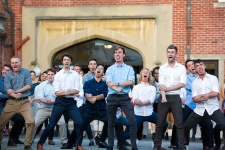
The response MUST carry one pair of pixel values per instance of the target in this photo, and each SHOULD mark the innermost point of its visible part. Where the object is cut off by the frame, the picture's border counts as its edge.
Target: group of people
(103, 95)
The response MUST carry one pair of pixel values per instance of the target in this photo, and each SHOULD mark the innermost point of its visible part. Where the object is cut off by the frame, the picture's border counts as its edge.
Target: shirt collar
(123, 64)
(145, 83)
(175, 65)
(206, 75)
(63, 70)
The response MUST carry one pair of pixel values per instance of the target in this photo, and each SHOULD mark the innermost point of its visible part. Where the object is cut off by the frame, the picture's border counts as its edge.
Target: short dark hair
(67, 55)
(51, 70)
(172, 46)
(33, 72)
(39, 78)
(187, 61)
(197, 61)
(100, 65)
(153, 70)
(120, 47)
(77, 65)
(6, 65)
(92, 59)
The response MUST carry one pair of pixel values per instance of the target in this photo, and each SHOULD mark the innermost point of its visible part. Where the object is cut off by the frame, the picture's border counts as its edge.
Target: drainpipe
(188, 47)
(12, 26)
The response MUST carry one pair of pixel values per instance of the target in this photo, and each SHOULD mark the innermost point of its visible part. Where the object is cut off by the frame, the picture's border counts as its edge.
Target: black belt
(65, 98)
(119, 95)
(3, 99)
(21, 98)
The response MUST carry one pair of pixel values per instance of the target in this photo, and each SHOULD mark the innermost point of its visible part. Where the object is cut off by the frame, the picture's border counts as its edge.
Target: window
(211, 67)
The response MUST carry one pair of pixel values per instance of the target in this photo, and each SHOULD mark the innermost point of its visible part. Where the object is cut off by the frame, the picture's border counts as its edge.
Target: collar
(123, 64)
(145, 83)
(70, 71)
(175, 65)
(206, 75)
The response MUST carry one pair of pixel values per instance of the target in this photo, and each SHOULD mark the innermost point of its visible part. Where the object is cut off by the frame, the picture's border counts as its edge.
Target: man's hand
(110, 84)
(182, 101)
(138, 102)
(77, 95)
(18, 95)
(119, 90)
(93, 100)
(163, 88)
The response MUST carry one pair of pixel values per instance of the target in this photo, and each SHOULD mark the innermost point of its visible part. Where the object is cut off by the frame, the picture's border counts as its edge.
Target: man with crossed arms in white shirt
(205, 90)
(46, 97)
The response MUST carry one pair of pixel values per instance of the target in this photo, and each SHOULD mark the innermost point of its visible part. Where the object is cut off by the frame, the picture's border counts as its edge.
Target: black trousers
(217, 134)
(194, 118)
(122, 101)
(174, 104)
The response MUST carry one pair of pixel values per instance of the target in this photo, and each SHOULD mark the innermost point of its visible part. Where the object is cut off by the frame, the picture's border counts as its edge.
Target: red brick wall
(208, 23)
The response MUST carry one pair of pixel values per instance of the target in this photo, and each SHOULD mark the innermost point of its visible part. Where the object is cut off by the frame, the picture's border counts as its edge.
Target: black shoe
(17, 141)
(91, 143)
(193, 138)
(109, 148)
(134, 148)
(123, 148)
(67, 146)
(28, 148)
(51, 142)
(11, 142)
(97, 140)
(144, 136)
(102, 145)
(153, 136)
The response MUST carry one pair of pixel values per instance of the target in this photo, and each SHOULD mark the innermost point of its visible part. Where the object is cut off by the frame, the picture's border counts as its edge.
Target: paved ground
(145, 144)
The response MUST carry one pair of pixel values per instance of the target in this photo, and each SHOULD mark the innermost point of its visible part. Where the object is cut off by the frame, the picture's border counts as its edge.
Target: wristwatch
(118, 84)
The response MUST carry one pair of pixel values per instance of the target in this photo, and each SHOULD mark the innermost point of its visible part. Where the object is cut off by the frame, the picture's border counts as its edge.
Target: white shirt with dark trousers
(169, 77)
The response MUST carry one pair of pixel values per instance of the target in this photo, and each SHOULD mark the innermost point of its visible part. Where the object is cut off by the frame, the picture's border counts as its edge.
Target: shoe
(97, 140)
(123, 148)
(79, 148)
(51, 142)
(67, 146)
(6, 132)
(167, 136)
(153, 136)
(144, 136)
(217, 147)
(91, 143)
(138, 141)
(134, 148)
(28, 147)
(17, 141)
(127, 143)
(171, 146)
(205, 148)
(102, 145)
(40, 147)
(159, 148)
(109, 148)
(11, 142)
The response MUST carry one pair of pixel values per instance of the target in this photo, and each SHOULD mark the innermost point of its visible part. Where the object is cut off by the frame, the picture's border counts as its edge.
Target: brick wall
(208, 23)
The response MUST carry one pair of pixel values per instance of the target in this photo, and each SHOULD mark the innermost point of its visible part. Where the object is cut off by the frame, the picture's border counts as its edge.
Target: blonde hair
(149, 78)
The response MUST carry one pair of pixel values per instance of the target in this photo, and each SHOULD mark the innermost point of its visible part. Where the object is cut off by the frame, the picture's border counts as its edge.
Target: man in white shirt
(66, 85)
(47, 99)
(172, 77)
(143, 98)
(205, 90)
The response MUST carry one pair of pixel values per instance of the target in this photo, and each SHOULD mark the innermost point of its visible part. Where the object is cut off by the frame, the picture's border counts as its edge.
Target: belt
(119, 95)
(3, 99)
(65, 98)
(21, 98)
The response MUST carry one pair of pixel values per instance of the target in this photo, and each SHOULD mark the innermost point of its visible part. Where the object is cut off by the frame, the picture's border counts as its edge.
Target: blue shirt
(88, 76)
(46, 90)
(3, 95)
(118, 74)
(18, 81)
(96, 88)
(189, 101)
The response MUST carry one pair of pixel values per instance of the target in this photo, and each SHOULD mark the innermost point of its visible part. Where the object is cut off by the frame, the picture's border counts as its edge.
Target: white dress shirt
(66, 80)
(208, 84)
(171, 76)
(144, 92)
(81, 98)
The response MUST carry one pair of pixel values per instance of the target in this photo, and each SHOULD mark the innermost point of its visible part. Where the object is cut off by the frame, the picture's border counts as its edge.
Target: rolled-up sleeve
(131, 76)
(161, 77)
(108, 75)
(7, 82)
(28, 80)
(86, 87)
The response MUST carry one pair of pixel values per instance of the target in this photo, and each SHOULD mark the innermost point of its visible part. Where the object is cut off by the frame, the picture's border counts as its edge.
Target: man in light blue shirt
(119, 78)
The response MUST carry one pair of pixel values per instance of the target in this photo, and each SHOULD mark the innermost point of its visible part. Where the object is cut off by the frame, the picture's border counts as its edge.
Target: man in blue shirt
(119, 78)
(17, 118)
(18, 84)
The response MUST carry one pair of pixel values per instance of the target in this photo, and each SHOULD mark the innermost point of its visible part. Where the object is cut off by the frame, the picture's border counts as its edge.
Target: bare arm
(205, 97)
(23, 89)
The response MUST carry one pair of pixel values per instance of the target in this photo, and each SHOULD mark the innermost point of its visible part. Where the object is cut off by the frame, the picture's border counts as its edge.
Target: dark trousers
(18, 123)
(122, 101)
(216, 131)
(194, 118)
(61, 106)
(173, 103)
(87, 128)
(205, 124)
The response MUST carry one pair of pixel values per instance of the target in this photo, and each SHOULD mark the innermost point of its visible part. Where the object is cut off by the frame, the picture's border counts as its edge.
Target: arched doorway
(101, 50)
